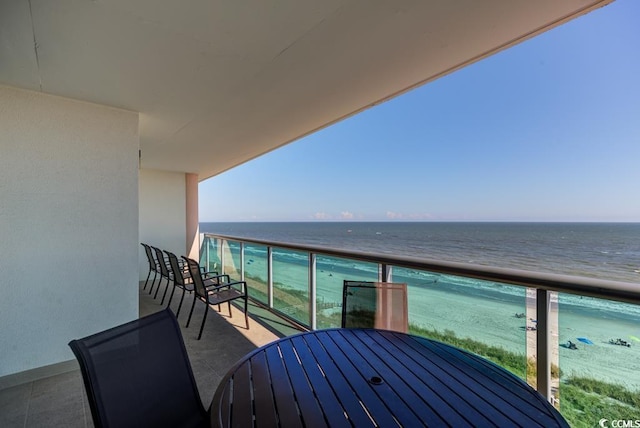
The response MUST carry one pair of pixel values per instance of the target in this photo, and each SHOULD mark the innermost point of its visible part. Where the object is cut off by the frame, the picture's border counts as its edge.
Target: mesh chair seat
(138, 375)
(213, 291)
(224, 295)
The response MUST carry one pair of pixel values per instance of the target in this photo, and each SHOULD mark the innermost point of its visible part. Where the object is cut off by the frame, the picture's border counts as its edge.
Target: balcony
(113, 114)
(523, 321)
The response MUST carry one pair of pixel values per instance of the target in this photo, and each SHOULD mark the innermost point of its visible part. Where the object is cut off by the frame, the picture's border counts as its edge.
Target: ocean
(600, 250)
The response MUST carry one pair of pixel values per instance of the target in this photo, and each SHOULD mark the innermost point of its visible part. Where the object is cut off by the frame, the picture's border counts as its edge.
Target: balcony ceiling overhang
(220, 82)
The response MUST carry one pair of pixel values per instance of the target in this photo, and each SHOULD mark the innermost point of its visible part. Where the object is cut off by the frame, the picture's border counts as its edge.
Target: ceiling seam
(35, 45)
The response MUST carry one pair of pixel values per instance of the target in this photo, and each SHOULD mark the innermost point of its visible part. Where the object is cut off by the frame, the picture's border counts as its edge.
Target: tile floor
(60, 401)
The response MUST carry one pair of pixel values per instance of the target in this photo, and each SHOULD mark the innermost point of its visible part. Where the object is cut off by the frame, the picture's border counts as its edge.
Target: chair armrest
(228, 285)
(209, 281)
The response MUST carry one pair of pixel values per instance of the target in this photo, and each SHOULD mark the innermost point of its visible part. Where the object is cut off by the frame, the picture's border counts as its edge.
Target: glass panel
(599, 360)
(210, 255)
(291, 284)
(204, 247)
(255, 271)
(330, 275)
(231, 250)
(486, 318)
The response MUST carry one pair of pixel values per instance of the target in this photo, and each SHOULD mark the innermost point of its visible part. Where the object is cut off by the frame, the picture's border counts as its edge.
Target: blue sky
(546, 131)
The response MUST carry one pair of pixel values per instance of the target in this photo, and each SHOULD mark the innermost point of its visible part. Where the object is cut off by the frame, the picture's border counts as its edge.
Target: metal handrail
(543, 283)
(593, 287)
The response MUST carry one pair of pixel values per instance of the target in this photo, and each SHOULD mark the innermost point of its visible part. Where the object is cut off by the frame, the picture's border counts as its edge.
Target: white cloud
(393, 215)
(321, 216)
(424, 216)
(346, 215)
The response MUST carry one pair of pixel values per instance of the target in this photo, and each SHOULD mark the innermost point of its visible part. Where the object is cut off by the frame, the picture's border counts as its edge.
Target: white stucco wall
(68, 224)
(162, 213)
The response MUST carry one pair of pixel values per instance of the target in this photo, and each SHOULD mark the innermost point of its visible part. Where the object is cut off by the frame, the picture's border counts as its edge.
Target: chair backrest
(178, 276)
(161, 262)
(381, 305)
(138, 375)
(196, 277)
(150, 258)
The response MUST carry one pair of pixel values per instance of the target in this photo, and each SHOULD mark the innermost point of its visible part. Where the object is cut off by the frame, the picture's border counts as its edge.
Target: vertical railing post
(543, 343)
(270, 276)
(222, 244)
(207, 240)
(312, 291)
(385, 272)
(241, 261)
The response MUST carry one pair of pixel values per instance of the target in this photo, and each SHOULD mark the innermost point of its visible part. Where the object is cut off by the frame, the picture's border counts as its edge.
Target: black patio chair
(213, 291)
(138, 375)
(380, 305)
(182, 278)
(153, 265)
(165, 272)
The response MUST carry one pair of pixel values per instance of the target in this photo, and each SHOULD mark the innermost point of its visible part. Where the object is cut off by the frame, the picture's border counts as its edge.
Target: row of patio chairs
(186, 274)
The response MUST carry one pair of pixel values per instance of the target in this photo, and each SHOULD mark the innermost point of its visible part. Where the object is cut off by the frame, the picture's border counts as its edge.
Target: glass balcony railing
(255, 272)
(576, 340)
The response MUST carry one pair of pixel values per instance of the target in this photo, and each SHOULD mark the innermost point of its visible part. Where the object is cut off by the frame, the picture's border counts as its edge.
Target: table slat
(419, 396)
(264, 405)
(224, 412)
(436, 388)
(393, 390)
(241, 403)
(377, 408)
(286, 406)
(347, 396)
(308, 406)
(475, 389)
(333, 410)
(523, 401)
(470, 392)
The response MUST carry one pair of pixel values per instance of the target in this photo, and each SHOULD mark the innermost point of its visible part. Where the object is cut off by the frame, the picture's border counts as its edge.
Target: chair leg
(173, 290)
(191, 312)
(204, 318)
(230, 314)
(246, 315)
(165, 292)
(155, 275)
(180, 304)
(158, 289)
(145, 283)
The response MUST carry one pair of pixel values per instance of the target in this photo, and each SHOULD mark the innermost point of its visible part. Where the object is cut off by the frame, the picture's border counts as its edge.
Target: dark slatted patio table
(363, 377)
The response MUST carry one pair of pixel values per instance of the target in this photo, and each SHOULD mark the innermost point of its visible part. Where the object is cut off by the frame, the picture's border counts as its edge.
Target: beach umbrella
(585, 340)
(635, 338)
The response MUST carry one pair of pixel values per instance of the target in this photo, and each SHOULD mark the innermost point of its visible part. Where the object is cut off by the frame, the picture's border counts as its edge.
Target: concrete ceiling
(220, 82)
